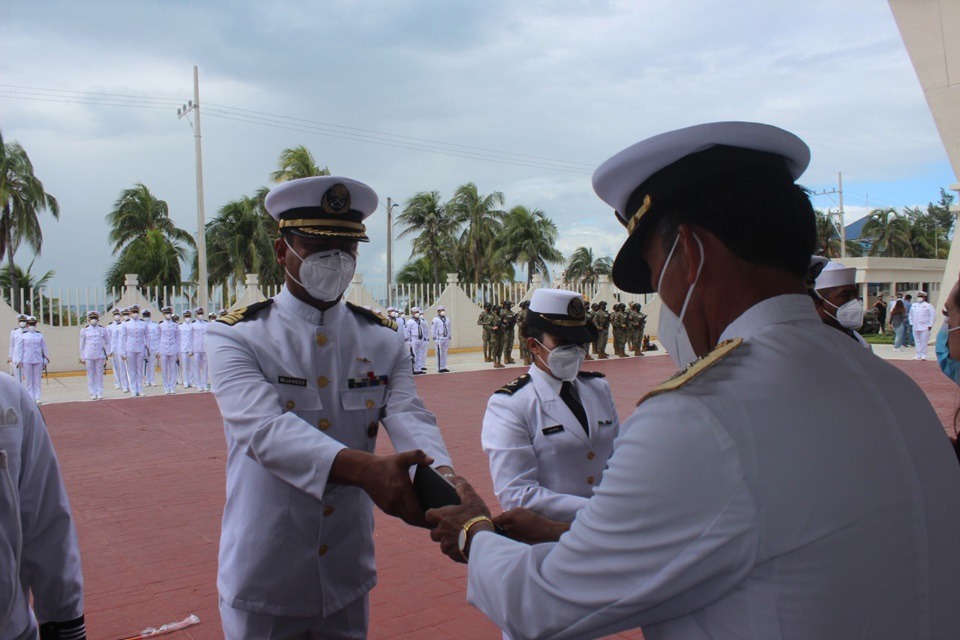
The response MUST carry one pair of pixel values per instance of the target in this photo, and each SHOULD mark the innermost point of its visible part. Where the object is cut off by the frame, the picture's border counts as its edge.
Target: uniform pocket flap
(363, 398)
(299, 399)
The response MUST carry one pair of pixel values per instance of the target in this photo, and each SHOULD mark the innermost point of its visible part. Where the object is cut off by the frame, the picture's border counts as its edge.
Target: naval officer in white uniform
(788, 484)
(15, 335)
(94, 346)
(548, 434)
(168, 346)
(440, 334)
(40, 574)
(304, 381)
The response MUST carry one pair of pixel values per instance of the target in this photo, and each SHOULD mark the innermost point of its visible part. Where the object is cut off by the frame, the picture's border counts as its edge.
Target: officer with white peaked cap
(834, 294)
(751, 495)
(548, 434)
(94, 346)
(303, 381)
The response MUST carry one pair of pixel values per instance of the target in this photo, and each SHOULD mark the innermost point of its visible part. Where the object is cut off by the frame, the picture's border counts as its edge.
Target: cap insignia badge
(336, 199)
(575, 309)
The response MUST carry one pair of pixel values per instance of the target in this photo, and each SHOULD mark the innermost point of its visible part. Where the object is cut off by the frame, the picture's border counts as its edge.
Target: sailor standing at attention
(94, 345)
(440, 333)
(304, 381)
(186, 350)
(200, 350)
(152, 359)
(135, 345)
(14, 339)
(418, 335)
(115, 353)
(168, 347)
(30, 357)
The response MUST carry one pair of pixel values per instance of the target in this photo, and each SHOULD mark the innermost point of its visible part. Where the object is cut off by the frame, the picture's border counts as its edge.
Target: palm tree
(528, 237)
(153, 257)
(295, 163)
(27, 280)
(416, 271)
(584, 268)
(888, 233)
(828, 239)
(240, 241)
(436, 230)
(483, 220)
(23, 197)
(137, 211)
(146, 239)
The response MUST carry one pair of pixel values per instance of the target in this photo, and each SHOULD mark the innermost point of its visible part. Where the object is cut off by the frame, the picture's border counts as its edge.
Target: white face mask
(325, 275)
(849, 314)
(32, 327)
(23, 325)
(93, 322)
(135, 316)
(443, 314)
(116, 318)
(167, 316)
(672, 333)
(564, 362)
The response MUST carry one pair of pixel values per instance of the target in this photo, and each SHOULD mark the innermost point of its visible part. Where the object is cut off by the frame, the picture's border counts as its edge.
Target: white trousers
(200, 358)
(95, 377)
(443, 345)
(150, 370)
(135, 371)
(351, 622)
(921, 338)
(187, 374)
(32, 374)
(168, 370)
(120, 373)
(419, 355)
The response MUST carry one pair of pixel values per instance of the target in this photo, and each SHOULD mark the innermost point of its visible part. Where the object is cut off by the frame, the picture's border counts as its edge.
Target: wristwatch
(464, 539)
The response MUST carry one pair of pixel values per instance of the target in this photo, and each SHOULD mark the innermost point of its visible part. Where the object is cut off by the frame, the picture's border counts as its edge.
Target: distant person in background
(168, 348)
(14, 339)
(834, 294)
(152, 359)
(187, 374)
(440, 333)
(908, 331)
(31, 357)
(418, 334)
(115, 352)
(199, 350)
(922, 316)
(881, 308)
(94, 343)
(898, 322)
(135, 341)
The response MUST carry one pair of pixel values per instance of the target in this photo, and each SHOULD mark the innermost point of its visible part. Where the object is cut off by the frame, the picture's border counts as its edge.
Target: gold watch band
(465, 550)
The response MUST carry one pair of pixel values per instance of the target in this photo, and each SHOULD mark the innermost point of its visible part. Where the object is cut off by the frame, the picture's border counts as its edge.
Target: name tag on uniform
(369, 380)
(604, 423)
(293, 382)
(549, 431)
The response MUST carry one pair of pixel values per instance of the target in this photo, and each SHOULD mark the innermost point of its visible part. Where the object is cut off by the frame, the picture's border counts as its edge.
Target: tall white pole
(389, 252)
(843, 226)
(201, 226)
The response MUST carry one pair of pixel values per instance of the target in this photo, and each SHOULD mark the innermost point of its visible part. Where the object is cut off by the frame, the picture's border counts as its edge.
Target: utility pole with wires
(843, 230)
(390, 206)
(194, 107)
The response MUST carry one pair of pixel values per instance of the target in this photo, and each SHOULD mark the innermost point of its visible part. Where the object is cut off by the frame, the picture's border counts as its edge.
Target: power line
(226, 112)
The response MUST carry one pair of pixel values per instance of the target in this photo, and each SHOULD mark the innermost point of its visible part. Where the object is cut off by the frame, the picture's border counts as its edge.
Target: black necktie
(568, 395)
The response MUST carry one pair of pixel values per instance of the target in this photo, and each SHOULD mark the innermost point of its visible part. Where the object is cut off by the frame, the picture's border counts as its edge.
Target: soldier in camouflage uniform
(601, 320)
(496, 336)
(638, 322)
(621, 328)
(525, 355)
(508, 320)
(484, 321)
(588, 314)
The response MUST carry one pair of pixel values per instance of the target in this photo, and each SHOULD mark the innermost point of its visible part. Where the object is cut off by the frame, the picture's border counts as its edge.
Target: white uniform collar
(543, 379)
(290, 303)
(776, 310)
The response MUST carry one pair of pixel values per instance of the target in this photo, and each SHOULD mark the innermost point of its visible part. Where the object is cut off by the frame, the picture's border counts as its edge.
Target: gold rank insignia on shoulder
(373, 316)
(244, 313)
(685, 376)
(514, 385)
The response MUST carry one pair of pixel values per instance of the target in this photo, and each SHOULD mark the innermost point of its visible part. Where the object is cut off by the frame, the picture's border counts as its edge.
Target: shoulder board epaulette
(244, 313)
(591, 374)
(373, 316)
(685, 376)
(514, 385)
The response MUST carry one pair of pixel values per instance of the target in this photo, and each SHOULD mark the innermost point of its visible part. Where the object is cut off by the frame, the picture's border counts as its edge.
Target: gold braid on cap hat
(635, 218)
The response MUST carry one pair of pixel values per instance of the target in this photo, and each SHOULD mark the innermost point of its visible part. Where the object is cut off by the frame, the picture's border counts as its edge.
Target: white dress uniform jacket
(799, 488)
(440, 329)
(922, 315)
(14, 339)
(168, 343)
(186, 337)
(31, 349)
(94, 343)
(35, 518)
(295, 387)
(135, 337)
(540, 456)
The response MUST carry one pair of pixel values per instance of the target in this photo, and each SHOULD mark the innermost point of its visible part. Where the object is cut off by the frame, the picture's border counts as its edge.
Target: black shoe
(444, 370)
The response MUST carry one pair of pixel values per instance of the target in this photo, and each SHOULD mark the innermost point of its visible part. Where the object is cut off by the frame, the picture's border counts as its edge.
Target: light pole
(194, 106)
(390, 206)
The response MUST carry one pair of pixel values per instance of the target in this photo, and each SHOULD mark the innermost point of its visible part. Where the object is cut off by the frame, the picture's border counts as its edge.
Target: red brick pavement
(146, 481)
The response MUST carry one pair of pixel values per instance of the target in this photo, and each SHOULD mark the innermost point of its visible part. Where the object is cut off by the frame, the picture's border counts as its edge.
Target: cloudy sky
(526, 98)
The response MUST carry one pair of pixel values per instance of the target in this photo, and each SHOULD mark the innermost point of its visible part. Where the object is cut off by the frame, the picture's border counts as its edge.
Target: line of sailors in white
(417, 334)
(135, 345)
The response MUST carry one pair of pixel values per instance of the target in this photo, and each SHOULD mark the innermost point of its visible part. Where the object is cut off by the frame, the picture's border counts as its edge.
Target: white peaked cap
(835, 274)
